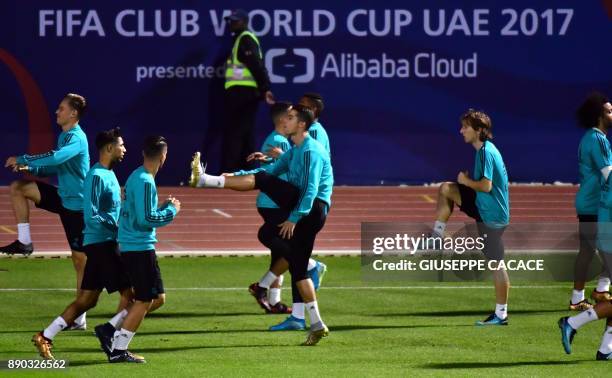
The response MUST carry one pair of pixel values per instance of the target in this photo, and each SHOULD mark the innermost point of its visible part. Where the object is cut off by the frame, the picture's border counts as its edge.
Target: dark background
(387, 130)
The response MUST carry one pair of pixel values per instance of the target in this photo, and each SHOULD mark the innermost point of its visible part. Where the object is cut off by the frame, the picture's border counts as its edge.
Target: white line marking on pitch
(222, 213)
(255, 253)
(325, 288)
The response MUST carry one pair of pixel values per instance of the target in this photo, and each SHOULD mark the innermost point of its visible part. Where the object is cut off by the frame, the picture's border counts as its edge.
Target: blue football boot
(316, 274)
(290, 324)
(493, 320)
(567, 334)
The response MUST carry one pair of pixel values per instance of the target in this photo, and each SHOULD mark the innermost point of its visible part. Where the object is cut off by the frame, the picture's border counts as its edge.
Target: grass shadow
(88, 363)
(184, 348)
(200, 331)
(168, 349)
(462, 313)
(493, 365)
(162, 315)
(356, 327)
(30, 331)
(339, 328)
(199, 314)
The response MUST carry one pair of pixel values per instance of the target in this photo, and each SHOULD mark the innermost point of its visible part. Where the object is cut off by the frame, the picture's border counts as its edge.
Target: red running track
(222, 220)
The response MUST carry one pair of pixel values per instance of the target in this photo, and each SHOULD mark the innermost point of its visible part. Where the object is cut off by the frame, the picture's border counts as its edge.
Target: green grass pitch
(211, 326)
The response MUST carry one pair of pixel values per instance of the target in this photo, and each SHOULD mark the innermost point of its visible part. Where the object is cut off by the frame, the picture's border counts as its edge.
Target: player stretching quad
(484, 197)
(139, 218)
(307, 197)
(595, 164)
(101, 205)
(70, 162)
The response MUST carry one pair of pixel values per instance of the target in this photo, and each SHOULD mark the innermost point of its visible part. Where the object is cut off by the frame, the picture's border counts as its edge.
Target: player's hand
(269, 97)
(176, 203)
(259, 156)
(11, 162)
(19, 168)
(274, 152)
(286, 231)
(227, 174)
(463, 177)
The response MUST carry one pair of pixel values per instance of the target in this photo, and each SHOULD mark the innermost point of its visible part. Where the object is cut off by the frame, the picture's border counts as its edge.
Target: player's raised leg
(448, 196)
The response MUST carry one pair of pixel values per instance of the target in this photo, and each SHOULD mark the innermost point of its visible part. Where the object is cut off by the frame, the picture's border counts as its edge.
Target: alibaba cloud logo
(272, 64)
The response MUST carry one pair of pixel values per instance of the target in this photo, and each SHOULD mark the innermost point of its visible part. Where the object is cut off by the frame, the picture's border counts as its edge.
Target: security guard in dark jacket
(246, 83)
